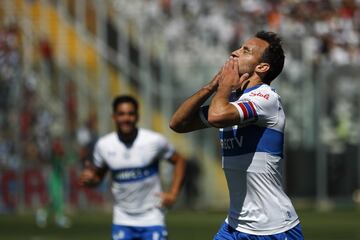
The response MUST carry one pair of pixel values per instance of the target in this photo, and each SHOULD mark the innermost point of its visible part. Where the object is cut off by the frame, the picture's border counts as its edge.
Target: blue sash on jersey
(251, 139)
(135, 174)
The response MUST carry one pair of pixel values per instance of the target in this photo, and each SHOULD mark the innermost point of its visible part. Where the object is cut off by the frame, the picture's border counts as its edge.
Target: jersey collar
(253, 87)
(130, 143)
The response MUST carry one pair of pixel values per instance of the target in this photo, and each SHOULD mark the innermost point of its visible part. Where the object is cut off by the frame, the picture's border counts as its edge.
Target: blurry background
(62, 62)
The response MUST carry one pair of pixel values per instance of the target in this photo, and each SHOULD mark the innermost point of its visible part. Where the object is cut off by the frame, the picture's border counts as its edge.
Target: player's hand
(167, 199)
(230, 75)
(88, 177)
(215, 81)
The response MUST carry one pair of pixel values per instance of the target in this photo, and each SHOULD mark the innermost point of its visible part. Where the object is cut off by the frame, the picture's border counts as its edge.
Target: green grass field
(182, 225)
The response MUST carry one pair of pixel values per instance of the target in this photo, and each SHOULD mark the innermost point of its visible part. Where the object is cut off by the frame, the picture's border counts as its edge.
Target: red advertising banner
(31, 189)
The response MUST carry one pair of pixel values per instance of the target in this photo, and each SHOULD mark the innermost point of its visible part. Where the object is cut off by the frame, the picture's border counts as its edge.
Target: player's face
(249, 55)
(125, 118)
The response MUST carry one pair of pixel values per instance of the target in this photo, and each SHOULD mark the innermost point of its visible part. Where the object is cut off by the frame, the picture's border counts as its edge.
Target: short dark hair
(124, 99)
(273, 55)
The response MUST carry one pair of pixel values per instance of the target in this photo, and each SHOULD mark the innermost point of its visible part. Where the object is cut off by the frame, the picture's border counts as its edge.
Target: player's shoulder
(262, 93)
(107, 139)
(150, 134)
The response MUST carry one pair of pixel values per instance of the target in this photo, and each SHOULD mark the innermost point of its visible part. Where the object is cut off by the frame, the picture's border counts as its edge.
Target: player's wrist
(211, 87)
(225, 88)
(174, 193)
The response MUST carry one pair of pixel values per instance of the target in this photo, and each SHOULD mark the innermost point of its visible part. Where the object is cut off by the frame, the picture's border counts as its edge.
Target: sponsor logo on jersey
(230, 143)
(134, 174)
(259, 94)
(251, 139)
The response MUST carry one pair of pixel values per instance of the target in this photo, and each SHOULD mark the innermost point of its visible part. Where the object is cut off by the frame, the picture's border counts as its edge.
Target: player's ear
(262, 68)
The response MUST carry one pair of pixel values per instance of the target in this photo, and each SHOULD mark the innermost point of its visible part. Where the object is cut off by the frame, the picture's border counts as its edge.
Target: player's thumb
(244, 77)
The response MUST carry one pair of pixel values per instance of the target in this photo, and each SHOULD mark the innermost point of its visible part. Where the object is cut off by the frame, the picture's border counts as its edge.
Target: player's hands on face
(230, 74)
(167, 199)
(215, 81)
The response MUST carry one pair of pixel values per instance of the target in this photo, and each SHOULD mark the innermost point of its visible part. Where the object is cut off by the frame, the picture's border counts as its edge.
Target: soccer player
(132, 155)
(251, 120)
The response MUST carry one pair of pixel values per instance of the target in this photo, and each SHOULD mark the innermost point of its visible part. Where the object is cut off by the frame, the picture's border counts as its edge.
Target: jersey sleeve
(98, 159)
(166, 149)
(259, 109)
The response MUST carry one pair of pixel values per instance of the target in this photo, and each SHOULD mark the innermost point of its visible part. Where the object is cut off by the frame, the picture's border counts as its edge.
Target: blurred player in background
(132, 155)
(56, 181)
(251, 120)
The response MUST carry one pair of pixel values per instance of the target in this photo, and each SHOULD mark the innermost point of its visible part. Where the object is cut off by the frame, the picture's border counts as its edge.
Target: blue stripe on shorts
(228, 233)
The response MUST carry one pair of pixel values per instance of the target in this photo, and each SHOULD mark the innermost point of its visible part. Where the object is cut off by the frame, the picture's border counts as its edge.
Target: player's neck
(127, 139)
(251, 82)
(254, 82)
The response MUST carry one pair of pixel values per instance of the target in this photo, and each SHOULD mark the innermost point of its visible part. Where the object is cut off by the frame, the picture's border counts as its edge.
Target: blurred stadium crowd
(320, 38)
(38, 135)
(329, 29)
(40, 142)
(38, 110)
(9, 61)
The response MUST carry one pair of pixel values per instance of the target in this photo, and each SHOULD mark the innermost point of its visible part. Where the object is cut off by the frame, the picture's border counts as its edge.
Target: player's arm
(168, 198)
(91, 175)
(221, 112)
(187, 117)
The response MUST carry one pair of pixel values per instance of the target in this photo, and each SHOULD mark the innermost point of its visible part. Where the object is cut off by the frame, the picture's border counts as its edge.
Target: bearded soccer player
(251, 122)
(132, 155)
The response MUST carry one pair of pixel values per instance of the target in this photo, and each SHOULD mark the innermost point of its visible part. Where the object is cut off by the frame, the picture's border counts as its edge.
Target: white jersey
(252, 159)
(136, 181)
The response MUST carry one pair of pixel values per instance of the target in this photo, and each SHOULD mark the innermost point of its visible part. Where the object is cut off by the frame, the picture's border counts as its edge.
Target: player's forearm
(186, 118)
(219, 106)
(178, 176)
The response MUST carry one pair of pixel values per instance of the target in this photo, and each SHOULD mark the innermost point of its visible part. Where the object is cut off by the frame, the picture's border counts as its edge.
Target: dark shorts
(228, 233)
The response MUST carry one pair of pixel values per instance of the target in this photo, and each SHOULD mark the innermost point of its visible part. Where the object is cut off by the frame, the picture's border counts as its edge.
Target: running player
(132, 155)
(251, 120)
